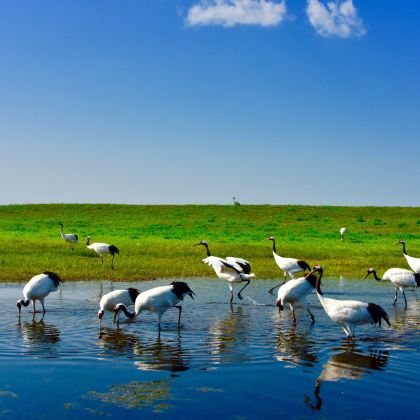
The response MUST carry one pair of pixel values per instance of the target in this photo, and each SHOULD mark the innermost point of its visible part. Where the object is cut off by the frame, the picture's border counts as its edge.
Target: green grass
(156, 241)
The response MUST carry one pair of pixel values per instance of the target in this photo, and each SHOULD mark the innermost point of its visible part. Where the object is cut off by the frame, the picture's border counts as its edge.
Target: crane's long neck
(61, 232)
(87, 241)
(376, 276)
(404, 251)
(208, 250)
(318, 284)
(24, 302)
(274, 246)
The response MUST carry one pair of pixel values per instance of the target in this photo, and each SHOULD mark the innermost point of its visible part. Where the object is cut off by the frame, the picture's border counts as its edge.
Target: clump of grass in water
(136, 394)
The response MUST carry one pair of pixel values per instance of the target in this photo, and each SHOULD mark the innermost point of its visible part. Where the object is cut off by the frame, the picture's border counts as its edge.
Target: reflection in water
(295, 348)
(39, 338)
(229, 337)
(350, 364)
(406, 319)
(115, 341)
(156, 354)
(161, 354)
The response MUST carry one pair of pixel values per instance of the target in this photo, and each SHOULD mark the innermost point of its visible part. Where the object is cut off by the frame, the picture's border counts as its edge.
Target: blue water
(244, 361)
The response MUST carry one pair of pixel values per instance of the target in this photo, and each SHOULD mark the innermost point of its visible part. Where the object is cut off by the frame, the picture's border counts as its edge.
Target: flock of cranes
(346, 313)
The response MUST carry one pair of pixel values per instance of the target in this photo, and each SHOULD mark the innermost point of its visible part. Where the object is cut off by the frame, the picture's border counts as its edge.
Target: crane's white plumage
(158, 300)
(111, 299)
(349, 313)
(232, 269)
(289, 266)
(294, 292)
(343, 231)
(413, 262)
(102, 249)
(38, 288)
(400, 279)
(70, 238)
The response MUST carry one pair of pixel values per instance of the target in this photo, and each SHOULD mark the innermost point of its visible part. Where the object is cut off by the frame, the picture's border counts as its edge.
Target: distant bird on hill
(233, 270)
(158, 300)
(349, 313)
(70, 238)
(400, 279)
(236, 203)
(343, 231)
(110, 300)
(102, 249)
(290, 266)
(38, 288)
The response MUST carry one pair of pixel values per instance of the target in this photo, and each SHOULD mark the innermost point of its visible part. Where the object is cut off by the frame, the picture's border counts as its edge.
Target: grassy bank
(156, 241)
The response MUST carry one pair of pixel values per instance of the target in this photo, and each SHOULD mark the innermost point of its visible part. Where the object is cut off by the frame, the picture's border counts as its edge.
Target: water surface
(243, 361)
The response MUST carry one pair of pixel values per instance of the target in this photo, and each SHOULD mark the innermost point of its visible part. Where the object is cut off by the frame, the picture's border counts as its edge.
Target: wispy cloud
(336, 18)
(236, 12)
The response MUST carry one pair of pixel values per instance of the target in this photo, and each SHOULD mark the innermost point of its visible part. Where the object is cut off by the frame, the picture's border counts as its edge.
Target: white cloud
(337, 18)
(236, 12)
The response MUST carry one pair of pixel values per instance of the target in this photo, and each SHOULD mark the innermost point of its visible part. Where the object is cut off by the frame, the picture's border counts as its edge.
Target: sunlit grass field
(157, 241)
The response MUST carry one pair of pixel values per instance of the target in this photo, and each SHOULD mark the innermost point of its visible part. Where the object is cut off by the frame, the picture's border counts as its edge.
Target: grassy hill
(157, 241)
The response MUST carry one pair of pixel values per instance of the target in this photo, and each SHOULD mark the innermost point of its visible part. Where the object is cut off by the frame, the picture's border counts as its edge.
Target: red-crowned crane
(289, 266)
(295, 291)
(70, 238)
(38, 288)
(413, 262)
(400, 279)
(102, 249)
(232, 269)
(158, 300)
(349, 313)
(110, 300)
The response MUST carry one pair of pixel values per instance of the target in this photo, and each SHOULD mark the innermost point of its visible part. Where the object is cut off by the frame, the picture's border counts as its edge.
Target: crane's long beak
(367, 275)
(191, 295)
(198, 244)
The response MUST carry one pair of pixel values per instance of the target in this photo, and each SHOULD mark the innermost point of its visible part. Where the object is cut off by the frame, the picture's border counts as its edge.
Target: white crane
(349, 313)
(289, 266)
(294, 292)
(70, 238)
(111, 299)
(343, 231)
(158, 300)
(236, 203)
(232, 269)
(102, 249)
(38, 288)
(400, 279)
(413, 262)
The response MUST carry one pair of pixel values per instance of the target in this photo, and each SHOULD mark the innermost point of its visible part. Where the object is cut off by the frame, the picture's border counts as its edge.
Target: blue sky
(176, 101)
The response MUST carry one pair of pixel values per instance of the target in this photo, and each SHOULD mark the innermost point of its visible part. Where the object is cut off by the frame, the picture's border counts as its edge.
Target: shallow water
(244, 361)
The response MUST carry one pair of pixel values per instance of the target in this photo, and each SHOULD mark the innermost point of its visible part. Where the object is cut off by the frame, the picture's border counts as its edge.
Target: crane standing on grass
(102, 249)
(70, 238)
